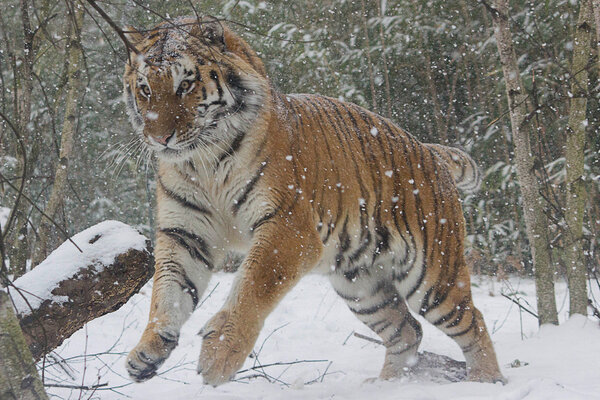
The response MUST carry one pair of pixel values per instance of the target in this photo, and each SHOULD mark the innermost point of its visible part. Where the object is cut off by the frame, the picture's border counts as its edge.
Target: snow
(313, 324)
(63, 263)
(4, 213)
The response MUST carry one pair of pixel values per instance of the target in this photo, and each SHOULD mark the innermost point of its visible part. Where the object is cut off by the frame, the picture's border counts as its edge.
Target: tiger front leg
(179, 281)
(281, 254)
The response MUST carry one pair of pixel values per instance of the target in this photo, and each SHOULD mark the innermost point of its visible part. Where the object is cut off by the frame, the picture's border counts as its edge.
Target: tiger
(287, 184)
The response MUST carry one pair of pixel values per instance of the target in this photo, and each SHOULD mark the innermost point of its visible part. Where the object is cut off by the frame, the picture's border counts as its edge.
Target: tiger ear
(211, 29)
(133, 36)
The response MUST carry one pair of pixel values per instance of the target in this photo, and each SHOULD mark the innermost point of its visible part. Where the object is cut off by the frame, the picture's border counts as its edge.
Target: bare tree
(23, 71)
(74, 58)
(574, 157)
(388, 97)
(368, 53)
(536, 221)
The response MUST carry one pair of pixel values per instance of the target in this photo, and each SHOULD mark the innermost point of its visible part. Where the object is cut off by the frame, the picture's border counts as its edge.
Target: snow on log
(70, 287)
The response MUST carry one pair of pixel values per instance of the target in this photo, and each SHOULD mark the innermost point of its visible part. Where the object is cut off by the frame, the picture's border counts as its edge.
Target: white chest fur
(202, 201)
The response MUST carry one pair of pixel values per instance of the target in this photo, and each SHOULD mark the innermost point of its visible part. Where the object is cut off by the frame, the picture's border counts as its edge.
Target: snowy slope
(313, 324)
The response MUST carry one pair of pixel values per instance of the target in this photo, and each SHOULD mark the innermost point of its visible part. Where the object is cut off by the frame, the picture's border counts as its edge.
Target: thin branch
(66, 235)
(113, 25)
(367, 338)
(520, 305)
(80, 387)
(258, 367)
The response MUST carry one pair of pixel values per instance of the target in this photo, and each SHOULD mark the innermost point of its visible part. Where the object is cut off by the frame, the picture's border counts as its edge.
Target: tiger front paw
(150, 353)
(225, 347)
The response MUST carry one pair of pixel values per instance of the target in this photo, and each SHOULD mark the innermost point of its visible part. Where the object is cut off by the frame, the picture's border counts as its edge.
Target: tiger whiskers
(122, 154)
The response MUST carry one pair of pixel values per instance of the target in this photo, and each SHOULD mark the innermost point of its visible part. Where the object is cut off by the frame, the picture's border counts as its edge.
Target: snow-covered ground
(313, 325)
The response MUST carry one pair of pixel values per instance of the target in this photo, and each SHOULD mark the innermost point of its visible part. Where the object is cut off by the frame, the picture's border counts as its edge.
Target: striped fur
(285, 185)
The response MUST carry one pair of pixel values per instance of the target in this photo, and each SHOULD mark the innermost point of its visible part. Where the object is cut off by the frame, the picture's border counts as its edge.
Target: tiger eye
(145, 90)
(185, 85)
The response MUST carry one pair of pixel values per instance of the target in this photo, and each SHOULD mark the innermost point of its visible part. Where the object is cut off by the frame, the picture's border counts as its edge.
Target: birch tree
(535, 220)
(574, 156)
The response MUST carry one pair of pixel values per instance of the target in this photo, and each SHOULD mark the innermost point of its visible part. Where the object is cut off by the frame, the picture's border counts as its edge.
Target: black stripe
(328, 234)
(420, 211)
(383, 327)
(460, 312)
(339, 121)
(397, 334)
(170, 271)
(373, 325)
(265, 218)
(233, 147)
(249, 187)
(363, 247)
(404, 350)
(425, 302)
(445, 317)
(215, 77)
(383, 239)
(192, 290)
(169, 340)
(352, 274)
(374, 309)
(464, 332)
(415, 325)
(344, 243)
(194, 244)
(316, 113)
(182, 201)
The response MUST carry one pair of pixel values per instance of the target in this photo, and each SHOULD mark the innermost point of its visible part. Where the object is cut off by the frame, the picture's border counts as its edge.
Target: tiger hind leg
(458, 318)
(383, 310)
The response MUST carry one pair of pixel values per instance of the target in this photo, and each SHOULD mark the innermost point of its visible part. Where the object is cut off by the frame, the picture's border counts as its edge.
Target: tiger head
(191, 83)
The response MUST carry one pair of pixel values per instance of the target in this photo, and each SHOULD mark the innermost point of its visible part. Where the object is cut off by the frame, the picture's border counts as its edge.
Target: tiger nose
(164, 139)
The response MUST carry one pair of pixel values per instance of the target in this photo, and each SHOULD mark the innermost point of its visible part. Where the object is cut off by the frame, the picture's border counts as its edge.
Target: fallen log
(72, 287)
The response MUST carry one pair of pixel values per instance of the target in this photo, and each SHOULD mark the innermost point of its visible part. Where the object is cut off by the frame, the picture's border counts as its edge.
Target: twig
(207, 296)
(80, 387)
(520, 305)
(325, 372)
(367, 338)
(281, 363)
(43, 213)
(114, 26)
(347, 337)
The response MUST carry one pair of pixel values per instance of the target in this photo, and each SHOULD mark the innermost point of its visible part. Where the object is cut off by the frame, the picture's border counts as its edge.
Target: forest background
(433, 67)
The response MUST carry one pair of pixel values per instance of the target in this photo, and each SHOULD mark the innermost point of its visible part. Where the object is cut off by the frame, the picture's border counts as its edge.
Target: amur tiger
(291, 184)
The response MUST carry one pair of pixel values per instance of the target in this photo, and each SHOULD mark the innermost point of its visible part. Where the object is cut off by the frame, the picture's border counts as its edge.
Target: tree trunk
(535, 220)
(386, 78)
(440, 121)
(596, 7)
(368, 53)
(574, 157)
(18, 376)
(20, 247)
(74, 83)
